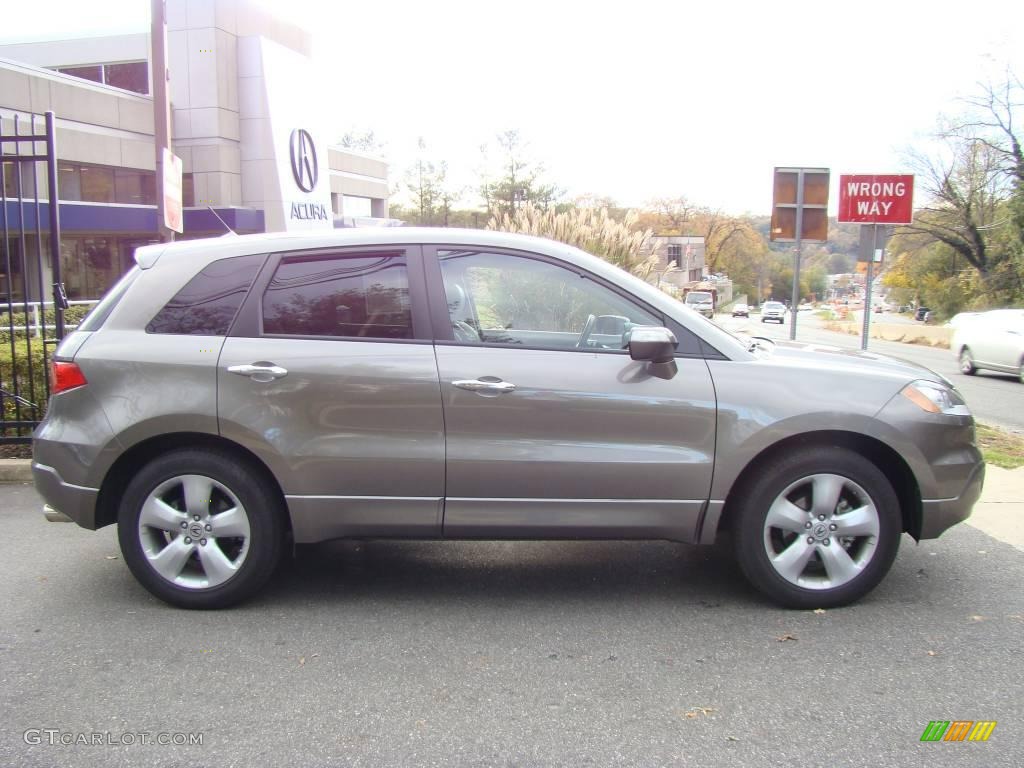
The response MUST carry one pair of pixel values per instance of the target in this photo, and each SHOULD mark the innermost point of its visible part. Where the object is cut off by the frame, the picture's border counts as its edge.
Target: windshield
(697, 297)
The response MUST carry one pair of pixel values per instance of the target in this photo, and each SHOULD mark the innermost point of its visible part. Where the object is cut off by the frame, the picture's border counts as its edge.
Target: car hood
(825, 356)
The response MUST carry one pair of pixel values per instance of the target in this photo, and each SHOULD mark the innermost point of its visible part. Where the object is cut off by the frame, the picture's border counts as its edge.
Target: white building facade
(247, 123)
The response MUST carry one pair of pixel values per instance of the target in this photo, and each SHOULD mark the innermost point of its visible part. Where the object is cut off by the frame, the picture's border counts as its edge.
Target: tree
(668, 215)
(964, 186)
(361, 141)
(970, 233)
(520, 182)
(432, 197)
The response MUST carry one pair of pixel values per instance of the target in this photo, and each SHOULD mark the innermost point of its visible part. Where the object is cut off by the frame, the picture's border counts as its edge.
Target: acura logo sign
(304, 166)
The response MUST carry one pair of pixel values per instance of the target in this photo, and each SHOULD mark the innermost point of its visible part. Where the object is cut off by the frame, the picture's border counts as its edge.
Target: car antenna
(229, 229)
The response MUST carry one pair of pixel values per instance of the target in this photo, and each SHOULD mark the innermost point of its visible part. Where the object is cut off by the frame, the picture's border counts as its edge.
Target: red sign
(172, 192)
(887, 199)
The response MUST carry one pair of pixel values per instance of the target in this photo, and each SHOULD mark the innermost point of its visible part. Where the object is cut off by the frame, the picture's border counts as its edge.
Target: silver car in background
(231, 397)
(774, 311)
(992, 340)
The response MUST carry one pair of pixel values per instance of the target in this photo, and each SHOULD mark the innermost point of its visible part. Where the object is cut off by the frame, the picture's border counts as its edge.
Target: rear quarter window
(208, 303)
(98, 315)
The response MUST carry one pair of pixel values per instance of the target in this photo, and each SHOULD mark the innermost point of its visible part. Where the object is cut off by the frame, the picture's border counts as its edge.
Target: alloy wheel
(821, 531)
(194, 531)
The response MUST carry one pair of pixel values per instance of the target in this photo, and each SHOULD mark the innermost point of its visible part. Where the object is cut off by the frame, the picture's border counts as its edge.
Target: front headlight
(935, 398)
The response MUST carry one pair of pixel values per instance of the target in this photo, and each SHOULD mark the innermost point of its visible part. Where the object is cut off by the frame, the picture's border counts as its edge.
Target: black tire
(967, 366)
(1020, 371)
(754, 537)
(236, 487)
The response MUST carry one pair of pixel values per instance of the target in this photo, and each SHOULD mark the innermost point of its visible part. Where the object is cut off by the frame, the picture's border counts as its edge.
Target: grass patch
(999, 447)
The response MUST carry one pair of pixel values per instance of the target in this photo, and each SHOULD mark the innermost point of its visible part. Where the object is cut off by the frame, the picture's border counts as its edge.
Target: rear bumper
(938, 515)
(73, 501)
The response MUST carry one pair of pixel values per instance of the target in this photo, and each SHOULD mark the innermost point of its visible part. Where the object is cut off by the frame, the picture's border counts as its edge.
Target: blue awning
(101, 218)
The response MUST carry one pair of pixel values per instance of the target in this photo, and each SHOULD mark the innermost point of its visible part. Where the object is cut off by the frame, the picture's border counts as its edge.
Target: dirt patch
(16, 451)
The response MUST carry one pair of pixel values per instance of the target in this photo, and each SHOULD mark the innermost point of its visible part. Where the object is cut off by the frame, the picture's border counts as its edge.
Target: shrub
(30, 373)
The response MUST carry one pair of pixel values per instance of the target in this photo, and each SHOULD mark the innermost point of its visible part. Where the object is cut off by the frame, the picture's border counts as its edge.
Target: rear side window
(344, 295)
(99, 314)
(209, 301)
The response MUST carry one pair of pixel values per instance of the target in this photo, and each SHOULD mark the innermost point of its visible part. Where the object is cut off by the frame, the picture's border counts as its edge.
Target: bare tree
(964, 183)
(992, 122)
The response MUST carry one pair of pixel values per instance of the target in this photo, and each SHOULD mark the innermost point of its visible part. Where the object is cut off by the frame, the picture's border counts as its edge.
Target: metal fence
(29, 235)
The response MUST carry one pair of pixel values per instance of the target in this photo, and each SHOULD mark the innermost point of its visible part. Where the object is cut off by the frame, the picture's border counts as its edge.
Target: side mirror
(652, 344)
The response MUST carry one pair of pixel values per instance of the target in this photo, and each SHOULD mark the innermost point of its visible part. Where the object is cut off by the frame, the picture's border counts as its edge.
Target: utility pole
(161, 109)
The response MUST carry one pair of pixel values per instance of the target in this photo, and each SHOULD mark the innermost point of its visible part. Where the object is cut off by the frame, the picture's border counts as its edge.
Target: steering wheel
(465, 332)
(588, 328)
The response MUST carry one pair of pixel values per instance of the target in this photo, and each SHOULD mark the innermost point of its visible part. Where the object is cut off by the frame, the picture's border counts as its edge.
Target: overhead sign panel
(876, 199)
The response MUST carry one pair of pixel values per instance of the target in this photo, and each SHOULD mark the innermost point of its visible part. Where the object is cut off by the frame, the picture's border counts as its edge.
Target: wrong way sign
(876, 199)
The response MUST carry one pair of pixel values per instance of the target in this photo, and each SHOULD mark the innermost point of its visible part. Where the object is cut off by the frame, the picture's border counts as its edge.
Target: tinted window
(208, 303)
(503, 299)
(351, 295)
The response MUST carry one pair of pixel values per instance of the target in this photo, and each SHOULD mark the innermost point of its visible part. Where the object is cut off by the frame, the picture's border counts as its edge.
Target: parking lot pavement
(457, 653)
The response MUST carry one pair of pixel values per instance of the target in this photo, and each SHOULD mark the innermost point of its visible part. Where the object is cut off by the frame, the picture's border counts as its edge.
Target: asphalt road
(526, 654)
(994, 398)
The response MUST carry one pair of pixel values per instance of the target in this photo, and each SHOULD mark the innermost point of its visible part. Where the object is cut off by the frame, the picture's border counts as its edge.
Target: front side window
(498, 298)
(209, 301)
(362, 295)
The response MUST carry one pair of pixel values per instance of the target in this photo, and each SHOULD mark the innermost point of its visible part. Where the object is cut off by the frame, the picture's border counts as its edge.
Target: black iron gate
(30, 325)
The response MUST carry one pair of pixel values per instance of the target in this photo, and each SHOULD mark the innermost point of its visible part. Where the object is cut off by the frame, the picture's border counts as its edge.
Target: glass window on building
(675, 254)
(97, 183)
(92, 72)
(129, 75)
(104, 184)
(134, 187)
(89, 266)
(11, 274)
(356, 206)
(27, 181)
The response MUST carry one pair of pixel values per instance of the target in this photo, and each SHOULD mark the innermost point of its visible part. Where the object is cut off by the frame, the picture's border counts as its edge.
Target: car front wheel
(200, 529)
(817, 528)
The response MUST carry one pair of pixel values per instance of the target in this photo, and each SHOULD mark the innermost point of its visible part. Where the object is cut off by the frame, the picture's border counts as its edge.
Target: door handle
(484, 386)
(259, 371)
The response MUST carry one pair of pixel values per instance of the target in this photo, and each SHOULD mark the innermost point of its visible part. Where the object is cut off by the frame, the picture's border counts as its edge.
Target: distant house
(680, 259)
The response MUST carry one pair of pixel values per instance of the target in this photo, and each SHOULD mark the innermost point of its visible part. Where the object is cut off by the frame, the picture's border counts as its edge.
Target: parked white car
(993, 340)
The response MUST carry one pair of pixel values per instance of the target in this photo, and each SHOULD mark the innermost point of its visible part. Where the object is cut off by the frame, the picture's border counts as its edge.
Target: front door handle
(260, 371)
(485, 386)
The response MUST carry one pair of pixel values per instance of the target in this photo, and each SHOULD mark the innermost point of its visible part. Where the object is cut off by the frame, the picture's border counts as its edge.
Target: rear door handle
(260, 371)
(484, 386)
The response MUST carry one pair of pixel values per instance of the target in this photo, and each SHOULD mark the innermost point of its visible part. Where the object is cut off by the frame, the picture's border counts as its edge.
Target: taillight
(66, 376)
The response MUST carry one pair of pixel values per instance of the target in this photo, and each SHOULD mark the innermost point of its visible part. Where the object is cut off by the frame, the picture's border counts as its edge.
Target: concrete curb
(15, 470)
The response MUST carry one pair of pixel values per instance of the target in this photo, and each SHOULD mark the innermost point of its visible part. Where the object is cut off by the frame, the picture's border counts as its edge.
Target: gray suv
(231, 397)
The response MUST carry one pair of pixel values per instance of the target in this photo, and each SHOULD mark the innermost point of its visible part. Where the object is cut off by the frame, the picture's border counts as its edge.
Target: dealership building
(255, 148)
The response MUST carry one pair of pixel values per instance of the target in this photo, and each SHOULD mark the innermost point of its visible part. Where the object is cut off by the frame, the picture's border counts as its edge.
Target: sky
(635, 100)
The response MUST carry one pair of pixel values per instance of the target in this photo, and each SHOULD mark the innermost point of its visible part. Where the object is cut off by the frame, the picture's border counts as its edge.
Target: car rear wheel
(1020, 371)
(199, 529)
(967, 366)
(817, 528)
